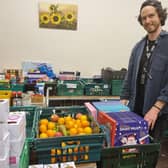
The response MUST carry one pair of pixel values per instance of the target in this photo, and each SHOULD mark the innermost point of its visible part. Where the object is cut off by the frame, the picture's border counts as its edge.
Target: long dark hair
(162, 13)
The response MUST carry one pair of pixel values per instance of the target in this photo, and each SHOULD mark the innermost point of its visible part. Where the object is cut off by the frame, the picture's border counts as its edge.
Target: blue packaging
(110, 106)
(131, 129)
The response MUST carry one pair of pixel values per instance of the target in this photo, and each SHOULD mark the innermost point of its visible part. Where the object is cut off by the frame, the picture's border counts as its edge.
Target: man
(145, 88)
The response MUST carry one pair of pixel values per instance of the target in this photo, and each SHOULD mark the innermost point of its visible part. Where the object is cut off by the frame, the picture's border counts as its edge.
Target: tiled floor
(163, 160)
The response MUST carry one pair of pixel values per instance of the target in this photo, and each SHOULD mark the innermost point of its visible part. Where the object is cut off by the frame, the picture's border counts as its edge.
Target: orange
(50, 133)
(83, 117)
(73, 131)
(67, 119)
(43, 135)
(76, 149)
(75, 126)
(85, 123)
(58, 152)
(88, 130)
(53, 151)
(43, 121)
(69, 124)
(51, 125)
(63, 144)
(75, 158)
(61, 121)
(80, 130)
(53, 160)
(43, 128)
(70, 151)
(78, 122)
(86, 157)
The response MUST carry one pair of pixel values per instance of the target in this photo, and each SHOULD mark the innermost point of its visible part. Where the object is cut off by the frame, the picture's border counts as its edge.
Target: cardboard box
(125, 128)
(51, 166)
(36, 166)
(4, 162)
(4, 146)
(4, 110)
(131, 129)
(16, 146)
(16, 124)
(3, 130)
(14, 161)
(86, 165)
(67, 165)
(110, 106)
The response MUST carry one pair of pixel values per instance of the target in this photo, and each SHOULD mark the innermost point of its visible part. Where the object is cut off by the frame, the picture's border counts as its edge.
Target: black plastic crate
(142, 156)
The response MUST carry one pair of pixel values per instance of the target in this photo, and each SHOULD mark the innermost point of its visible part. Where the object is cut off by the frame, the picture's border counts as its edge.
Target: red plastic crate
(110, 123)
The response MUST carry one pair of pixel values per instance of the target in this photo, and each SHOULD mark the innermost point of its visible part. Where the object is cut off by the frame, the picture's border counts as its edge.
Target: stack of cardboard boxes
(4, 134)
(17, 130)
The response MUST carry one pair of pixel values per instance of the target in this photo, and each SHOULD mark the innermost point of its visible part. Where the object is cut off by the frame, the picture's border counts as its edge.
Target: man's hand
(124, 101)
(151, 117)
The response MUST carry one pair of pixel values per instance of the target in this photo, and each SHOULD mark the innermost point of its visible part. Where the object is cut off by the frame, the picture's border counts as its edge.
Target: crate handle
(70, 143)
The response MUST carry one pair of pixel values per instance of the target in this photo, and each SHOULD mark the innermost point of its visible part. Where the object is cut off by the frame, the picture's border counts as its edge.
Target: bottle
(14, 98)
(19, 98)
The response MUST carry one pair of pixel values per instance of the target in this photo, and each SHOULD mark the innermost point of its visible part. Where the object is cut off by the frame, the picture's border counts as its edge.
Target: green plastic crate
(145, 156)
(88, 145)
(70, 88)
(17, 87)
(116, 86)
(5, 86)
(97, 89)
(24, 157)
(30, 119)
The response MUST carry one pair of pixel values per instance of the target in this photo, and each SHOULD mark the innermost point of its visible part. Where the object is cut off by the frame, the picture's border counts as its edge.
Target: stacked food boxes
(17, 129)
(110, 106)
(4, 134)
(126, 128)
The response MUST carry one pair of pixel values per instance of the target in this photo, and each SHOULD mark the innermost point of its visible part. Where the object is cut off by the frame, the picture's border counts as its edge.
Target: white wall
(107, 31)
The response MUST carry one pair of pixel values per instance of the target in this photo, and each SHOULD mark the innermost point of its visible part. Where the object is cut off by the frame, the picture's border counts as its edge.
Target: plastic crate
(4, 86)
(5, 94)
(118, 75)
(52, 86)
(145, 156)
(97, 89)
(24, 157)
(17, 87)
(116, 86)
(30, 119)
(83, 148)
(70, 88)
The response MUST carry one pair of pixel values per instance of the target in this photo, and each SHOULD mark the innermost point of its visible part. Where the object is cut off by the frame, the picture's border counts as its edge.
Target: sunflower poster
(58, 16)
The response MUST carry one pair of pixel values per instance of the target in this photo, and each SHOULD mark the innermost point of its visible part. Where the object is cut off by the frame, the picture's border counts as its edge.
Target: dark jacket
(157, 87)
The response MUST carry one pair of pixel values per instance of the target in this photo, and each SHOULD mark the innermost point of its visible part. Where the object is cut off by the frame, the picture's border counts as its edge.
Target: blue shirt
(155, 88)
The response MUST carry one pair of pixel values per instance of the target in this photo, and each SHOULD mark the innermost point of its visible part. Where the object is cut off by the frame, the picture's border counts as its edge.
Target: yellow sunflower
(55, 18)
(69, 17)
(52, 8)
(44, 18)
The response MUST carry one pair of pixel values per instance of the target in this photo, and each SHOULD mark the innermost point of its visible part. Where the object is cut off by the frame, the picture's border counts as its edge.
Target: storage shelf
(83, 97)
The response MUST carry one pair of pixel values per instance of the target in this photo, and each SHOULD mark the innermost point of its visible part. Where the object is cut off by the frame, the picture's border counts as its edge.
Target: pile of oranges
(78, 125)
(47, 128)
